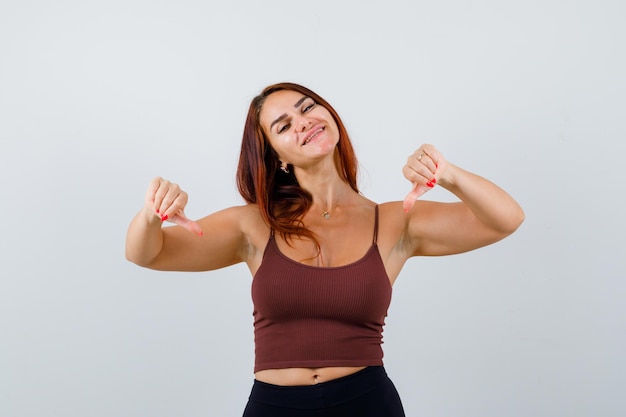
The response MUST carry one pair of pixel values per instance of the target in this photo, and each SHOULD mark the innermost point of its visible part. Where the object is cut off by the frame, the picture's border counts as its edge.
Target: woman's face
(300, 130)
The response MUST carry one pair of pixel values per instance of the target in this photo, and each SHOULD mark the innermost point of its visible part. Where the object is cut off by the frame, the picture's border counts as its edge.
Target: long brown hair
(281, 200)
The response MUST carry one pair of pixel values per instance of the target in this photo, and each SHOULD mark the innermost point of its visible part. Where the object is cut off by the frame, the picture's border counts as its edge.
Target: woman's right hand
(167, 201)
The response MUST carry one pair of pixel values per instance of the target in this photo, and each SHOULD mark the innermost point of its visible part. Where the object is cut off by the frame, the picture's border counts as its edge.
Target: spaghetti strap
(375, 225)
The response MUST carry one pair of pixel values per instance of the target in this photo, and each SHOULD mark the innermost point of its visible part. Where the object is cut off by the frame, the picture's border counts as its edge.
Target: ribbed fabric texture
(311, 317)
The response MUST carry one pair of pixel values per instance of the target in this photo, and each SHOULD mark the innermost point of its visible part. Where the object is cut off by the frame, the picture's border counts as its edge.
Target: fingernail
(434, 181)
(436, 165)
(158, 211)
(430, 184)
(165, 217)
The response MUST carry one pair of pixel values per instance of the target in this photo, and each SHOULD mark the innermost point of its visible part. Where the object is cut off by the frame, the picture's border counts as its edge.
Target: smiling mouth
(313, 136)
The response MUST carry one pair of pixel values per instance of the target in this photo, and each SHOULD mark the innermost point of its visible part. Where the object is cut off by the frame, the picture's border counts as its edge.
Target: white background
(98, 97)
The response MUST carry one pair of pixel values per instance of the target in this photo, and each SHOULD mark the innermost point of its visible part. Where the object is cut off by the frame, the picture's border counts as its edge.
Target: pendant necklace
(325, 215)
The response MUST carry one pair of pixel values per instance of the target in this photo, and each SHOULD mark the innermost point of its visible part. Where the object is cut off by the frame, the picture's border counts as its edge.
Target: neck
(328, 189)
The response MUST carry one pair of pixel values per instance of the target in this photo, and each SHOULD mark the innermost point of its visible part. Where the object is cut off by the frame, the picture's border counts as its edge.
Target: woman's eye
(283, 128)
(308, 107)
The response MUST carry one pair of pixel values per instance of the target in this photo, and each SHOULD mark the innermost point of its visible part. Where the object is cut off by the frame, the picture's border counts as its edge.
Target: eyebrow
(283, 116)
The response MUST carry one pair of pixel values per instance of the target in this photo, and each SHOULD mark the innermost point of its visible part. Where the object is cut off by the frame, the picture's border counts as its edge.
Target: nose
(303, 124)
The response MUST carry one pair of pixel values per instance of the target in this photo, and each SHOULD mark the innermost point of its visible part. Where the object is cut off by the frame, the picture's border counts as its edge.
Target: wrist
(150, 216)
(449, 178)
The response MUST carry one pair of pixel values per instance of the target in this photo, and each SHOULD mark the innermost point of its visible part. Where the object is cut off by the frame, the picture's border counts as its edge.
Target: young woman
(323, 256)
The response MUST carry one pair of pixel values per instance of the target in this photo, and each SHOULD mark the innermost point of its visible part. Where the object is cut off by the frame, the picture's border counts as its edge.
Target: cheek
(328, 146)
(329, 143)
(279, 144)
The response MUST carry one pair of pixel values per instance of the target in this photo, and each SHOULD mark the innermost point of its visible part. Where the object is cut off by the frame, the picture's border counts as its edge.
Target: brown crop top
(311, 317)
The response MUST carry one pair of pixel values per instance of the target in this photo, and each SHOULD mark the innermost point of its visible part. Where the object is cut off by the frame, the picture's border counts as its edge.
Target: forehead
(277, 104)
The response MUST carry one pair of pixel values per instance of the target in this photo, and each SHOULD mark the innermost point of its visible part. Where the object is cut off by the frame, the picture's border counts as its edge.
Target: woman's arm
(485, 214)
(215, 241)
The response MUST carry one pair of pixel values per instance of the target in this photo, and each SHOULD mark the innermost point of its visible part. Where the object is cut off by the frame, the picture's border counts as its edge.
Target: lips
(313, 133)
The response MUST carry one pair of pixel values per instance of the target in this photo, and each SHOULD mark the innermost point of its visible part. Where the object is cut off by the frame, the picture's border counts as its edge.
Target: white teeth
(310, 138)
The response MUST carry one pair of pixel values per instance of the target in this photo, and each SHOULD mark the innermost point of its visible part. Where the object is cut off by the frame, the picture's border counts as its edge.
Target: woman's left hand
(423, 168)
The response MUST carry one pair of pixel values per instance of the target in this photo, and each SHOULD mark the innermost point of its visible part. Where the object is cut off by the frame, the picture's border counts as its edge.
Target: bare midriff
(304, 376)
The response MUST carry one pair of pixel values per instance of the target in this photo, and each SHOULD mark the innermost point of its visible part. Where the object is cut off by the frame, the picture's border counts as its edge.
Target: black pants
(367, 393)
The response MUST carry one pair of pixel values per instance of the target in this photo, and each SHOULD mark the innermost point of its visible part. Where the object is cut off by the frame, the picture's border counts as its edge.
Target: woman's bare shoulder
(256, 231)
(391, 211)
(247, 217)
(242, 212)
(251, 222)
(396, 225)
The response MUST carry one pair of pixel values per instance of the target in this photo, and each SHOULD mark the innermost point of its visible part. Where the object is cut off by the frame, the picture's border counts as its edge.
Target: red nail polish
(165, 217)
(434, 181)
(158, 211)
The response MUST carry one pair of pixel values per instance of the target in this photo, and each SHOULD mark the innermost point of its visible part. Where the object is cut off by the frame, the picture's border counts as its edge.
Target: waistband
(325, 394)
